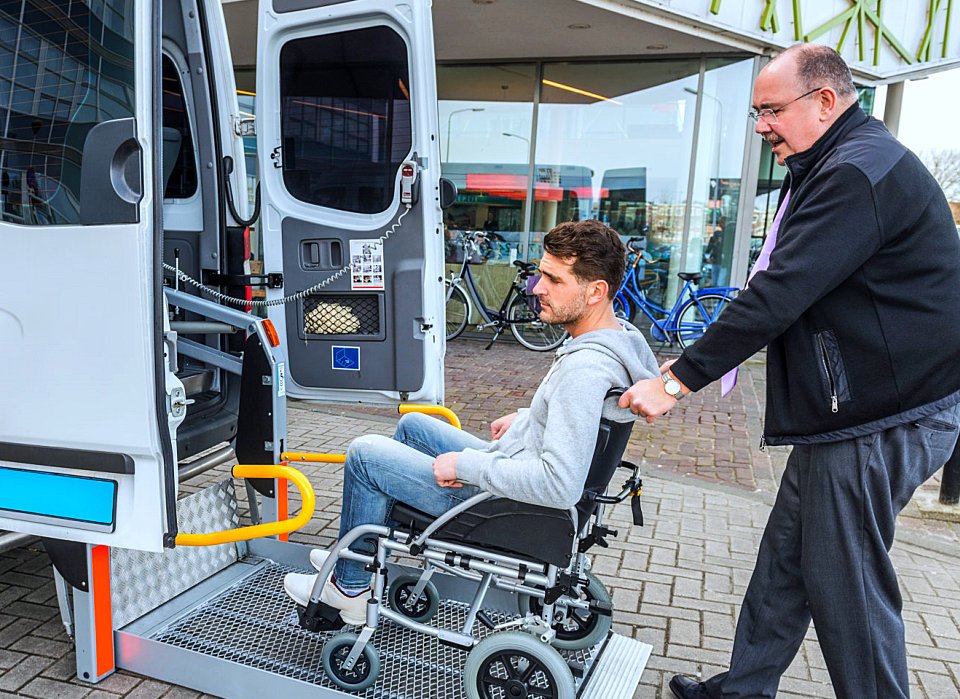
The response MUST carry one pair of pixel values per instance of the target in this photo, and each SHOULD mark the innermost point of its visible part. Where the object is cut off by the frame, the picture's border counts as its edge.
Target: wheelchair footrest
(319, 617)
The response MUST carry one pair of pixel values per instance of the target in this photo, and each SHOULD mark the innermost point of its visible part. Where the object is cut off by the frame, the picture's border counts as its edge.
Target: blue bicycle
(692, 313)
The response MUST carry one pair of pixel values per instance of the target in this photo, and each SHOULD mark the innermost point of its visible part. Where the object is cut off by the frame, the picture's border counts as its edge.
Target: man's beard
(563, 315)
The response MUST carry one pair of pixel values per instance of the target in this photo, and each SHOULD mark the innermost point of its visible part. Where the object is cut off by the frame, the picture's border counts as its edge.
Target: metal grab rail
(446, 413)
(256, 531)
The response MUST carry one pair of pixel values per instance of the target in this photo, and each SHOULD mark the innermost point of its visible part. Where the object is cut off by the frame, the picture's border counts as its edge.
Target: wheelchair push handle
(256, 531)
(632, 488)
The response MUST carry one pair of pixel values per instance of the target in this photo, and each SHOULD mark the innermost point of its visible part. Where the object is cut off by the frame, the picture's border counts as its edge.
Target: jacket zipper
(834, 407)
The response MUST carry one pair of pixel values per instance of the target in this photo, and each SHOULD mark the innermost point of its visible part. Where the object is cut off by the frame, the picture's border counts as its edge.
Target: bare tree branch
(944, 165)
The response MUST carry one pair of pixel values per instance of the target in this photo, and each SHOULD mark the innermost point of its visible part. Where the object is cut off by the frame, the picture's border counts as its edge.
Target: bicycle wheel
(696, 315)
(623, 308)
(531, 332)
(458, 312)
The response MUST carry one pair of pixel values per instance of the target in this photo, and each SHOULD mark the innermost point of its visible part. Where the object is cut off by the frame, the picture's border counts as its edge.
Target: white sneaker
(299, 586)
(317, 558)
(353, 610)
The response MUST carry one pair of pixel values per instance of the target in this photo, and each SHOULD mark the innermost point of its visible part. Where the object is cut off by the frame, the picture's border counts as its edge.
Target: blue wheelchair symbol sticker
(346, 358)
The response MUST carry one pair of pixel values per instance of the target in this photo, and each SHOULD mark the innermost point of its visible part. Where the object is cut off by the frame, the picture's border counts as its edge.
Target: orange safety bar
(307, 457)
(267, 528)
(446, 413)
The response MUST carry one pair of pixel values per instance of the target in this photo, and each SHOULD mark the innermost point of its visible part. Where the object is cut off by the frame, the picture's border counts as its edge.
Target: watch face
(671, 386)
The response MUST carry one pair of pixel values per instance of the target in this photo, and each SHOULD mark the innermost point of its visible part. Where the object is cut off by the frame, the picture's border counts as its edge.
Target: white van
(123, 187)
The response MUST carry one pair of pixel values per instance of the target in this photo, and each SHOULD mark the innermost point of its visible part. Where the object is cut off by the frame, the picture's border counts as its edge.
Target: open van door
(349, 170)
(85, 443)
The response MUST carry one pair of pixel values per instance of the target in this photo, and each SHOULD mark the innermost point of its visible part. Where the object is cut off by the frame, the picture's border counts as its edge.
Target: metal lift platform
(216, 619)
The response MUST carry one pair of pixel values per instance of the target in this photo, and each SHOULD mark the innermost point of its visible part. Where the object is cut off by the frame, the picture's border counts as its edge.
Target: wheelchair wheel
(582, 628)
(515, 664)
(365, 670)
(425, 607)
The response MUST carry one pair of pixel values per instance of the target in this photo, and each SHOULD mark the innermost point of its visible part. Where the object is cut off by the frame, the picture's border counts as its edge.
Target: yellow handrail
(267, 528)
(307, 457)
(450, 416)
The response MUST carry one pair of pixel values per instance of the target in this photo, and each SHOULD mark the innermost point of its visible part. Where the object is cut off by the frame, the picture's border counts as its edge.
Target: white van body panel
(412, 21)
(78, 346)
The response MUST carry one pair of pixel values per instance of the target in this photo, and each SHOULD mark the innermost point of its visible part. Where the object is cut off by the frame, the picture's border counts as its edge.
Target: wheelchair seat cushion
(514, 528)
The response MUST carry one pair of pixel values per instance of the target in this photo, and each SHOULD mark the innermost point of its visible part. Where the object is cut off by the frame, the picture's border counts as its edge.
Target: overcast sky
(930, 112)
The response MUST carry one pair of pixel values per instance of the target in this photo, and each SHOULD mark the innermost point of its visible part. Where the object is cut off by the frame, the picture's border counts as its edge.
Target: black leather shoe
(686, 688)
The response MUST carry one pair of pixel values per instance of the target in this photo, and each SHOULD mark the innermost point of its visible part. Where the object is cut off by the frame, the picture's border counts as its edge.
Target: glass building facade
(654, 148)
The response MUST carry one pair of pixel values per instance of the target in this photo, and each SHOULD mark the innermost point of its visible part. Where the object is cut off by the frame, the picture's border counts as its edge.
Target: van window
(64, 67)
(345, 118)
(181, 175)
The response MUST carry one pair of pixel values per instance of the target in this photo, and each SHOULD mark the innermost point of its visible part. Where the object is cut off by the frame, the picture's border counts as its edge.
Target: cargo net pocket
(341, 315)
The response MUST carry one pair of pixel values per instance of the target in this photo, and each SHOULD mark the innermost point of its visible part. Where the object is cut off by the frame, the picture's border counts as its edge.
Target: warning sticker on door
(346, 358)
(366, 264)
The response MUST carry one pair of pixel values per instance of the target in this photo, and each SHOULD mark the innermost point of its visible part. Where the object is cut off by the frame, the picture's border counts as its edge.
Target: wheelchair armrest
(410, 517)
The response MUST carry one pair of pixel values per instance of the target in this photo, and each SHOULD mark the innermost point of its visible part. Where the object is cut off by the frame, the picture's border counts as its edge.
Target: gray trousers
(824, 556)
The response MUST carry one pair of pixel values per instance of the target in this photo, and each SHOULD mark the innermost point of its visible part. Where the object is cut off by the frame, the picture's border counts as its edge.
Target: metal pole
(950, 481)
(13, 540)
(205, 463)
(893, 106)
(450, 118)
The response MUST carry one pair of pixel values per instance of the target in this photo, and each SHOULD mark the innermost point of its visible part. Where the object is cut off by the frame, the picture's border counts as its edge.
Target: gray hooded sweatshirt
(544, 457)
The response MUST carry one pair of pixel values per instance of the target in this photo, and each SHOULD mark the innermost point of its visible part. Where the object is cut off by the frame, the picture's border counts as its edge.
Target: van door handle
(111, 175)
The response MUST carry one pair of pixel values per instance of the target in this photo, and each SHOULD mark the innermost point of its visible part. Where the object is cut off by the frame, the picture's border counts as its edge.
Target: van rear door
(85, 445)
(349, 171)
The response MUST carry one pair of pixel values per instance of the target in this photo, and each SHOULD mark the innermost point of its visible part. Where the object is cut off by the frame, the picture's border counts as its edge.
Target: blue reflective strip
(57, 495)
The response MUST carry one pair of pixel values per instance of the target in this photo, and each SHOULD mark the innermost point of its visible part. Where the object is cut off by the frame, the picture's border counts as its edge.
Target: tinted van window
(345, 118)
(179, 162)
(65, 66)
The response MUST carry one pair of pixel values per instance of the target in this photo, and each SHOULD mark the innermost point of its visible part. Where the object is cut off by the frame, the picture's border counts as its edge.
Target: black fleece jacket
(860, 306)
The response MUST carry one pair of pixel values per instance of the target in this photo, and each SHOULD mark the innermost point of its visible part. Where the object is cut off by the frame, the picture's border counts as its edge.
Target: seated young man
(539, 455)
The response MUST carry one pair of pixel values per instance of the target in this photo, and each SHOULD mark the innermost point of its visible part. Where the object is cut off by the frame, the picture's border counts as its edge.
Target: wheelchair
(536, 553)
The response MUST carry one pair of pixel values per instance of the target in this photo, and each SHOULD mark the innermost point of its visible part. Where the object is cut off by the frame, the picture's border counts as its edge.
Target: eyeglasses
(770, 115)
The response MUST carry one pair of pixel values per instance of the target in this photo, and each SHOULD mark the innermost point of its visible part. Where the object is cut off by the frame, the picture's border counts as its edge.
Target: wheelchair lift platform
(217, 620)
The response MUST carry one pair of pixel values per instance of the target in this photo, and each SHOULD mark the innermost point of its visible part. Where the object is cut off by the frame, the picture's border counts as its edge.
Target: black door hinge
(273, 280)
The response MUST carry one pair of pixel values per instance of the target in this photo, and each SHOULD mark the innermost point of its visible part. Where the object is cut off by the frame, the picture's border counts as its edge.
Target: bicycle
(692, 313)
(520, 309)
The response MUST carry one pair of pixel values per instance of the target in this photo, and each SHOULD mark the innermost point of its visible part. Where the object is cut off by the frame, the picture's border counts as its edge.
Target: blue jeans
(379, 471)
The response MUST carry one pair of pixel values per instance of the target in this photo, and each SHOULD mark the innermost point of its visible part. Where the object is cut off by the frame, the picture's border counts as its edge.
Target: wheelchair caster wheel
(364, 672)
(582, 628)
(398, 596)
(515, 664)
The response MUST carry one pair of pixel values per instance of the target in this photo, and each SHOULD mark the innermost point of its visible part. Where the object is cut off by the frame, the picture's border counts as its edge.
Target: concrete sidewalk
(677, 582)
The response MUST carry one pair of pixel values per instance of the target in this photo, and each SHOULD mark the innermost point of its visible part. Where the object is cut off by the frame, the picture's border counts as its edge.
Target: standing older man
(860, 313)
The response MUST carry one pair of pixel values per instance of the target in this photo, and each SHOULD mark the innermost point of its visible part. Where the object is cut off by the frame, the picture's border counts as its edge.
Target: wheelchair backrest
(612, 441)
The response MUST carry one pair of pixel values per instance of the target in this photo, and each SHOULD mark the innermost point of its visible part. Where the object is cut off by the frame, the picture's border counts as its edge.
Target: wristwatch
(671, 385)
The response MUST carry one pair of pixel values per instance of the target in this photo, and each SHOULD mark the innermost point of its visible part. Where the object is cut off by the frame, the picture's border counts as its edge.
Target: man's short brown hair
(595, 248)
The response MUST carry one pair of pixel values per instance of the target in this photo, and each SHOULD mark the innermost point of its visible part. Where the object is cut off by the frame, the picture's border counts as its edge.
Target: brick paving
(676, 583)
